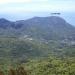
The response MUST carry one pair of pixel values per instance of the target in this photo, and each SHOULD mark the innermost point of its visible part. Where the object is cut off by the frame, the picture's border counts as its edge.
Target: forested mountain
(46, 28)
(43, 45)
(36, 36)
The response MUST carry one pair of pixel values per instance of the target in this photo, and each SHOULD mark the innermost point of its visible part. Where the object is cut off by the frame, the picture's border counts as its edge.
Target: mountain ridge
(51, 27)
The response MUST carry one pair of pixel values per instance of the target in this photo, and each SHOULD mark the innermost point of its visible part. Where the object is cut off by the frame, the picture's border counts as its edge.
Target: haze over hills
(48, 28)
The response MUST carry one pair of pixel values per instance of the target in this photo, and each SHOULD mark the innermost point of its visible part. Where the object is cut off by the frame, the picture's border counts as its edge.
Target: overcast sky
(20, 9)
(15, 6)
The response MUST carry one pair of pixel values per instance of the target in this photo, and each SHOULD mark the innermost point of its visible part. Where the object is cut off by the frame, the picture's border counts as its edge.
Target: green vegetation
(52, 66)
(33, 57)
(44, 66)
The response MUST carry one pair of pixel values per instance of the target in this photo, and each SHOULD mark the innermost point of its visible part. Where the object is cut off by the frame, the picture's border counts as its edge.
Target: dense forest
(31, 57)
(45, 66)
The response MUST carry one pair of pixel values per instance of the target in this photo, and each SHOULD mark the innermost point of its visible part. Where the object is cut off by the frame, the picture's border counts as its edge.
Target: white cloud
(14, 1)
(36, 6)
(41, 7)
(40, 0)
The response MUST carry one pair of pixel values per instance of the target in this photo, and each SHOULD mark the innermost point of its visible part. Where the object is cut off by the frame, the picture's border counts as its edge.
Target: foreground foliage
(44, 66)
(52, 66)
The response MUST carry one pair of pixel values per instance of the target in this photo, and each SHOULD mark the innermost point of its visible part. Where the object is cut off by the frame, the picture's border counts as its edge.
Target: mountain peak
(50, 18)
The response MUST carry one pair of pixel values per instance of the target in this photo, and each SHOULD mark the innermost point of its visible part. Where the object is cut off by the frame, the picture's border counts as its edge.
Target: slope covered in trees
(37, 46)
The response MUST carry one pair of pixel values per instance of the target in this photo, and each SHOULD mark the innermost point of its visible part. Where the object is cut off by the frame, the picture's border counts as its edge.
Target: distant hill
(48, 28)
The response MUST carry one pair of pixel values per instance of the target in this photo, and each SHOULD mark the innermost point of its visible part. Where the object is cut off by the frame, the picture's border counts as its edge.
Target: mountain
(47, 28)
(36, 37)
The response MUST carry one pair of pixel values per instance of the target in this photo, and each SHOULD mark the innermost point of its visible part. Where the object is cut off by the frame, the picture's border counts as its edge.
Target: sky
(23, 9)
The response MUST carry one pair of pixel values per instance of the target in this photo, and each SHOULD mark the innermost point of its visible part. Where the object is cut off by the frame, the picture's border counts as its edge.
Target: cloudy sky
(15, 6)
(15, 9)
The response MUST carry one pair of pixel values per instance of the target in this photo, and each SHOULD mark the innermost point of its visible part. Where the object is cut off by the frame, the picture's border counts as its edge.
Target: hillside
(36, 37)
(43, 28)
(42, 45)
